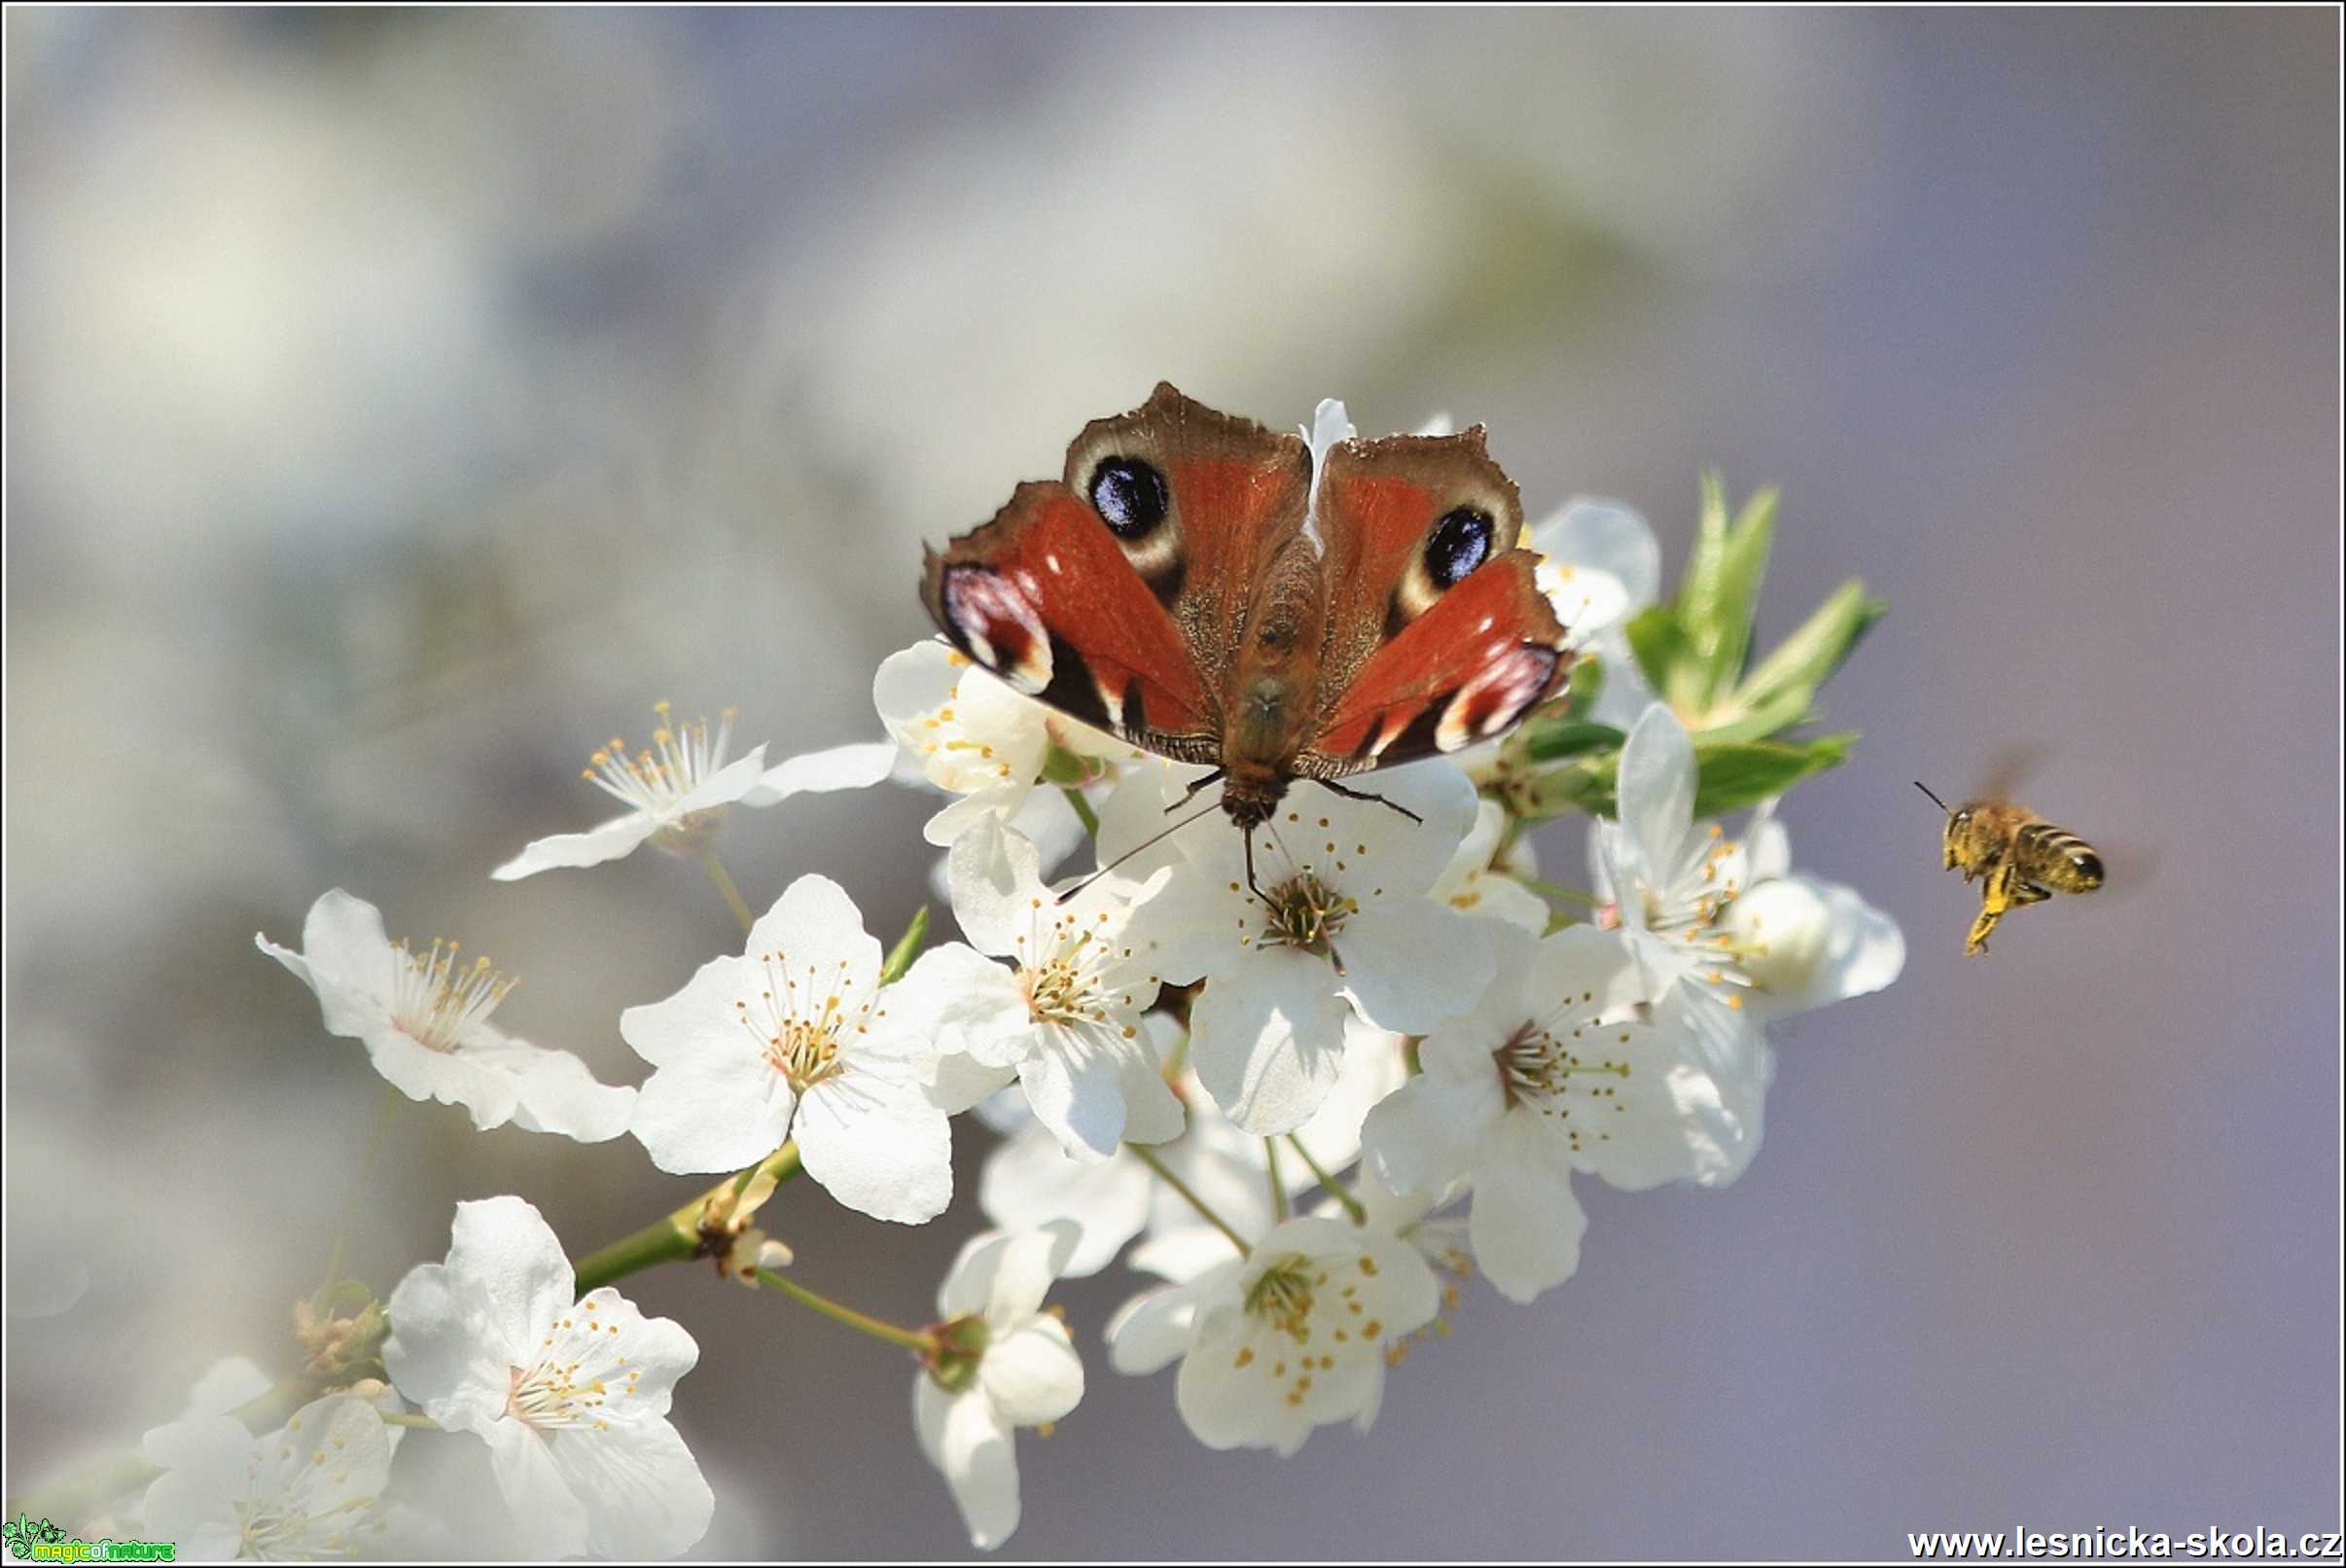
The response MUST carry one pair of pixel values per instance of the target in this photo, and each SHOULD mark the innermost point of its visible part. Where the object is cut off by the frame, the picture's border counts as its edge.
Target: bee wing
(2010, 767)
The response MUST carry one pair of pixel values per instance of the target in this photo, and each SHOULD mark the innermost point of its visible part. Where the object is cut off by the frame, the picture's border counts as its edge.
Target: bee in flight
(2025, 859)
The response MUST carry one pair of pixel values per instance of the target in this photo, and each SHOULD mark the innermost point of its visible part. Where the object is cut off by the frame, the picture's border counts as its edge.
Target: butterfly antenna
(1147, 844)
(1935, 799)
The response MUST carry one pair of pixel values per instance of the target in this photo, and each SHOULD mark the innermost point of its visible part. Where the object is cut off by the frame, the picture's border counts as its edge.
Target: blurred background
(400, 404)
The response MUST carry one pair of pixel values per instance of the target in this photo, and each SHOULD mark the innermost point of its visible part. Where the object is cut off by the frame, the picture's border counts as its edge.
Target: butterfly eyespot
(1130, 495)
(1459, 544)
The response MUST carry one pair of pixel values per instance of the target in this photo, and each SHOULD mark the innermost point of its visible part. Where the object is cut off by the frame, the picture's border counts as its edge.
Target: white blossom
(1601, 565)
(1029, 1181)
(1479, 881)
(1064, 1017)
(1344, 918)
(970, 735)
(311, 1489)
(673, 789)
(424, 1018)
(1293, 1335)
(1712, 962)
(1023, 1371)
(1804, 941)
(857, 765)
(571, 1396)
(1667, 879)
(795, 1039)
(1550, 1074)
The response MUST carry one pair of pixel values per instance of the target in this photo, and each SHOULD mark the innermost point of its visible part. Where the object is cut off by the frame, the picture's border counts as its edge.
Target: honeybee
(2025, 859)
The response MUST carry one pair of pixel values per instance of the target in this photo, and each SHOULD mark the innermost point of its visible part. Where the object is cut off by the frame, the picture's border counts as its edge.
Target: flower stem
(907, 948)
(921, 1344)
(676, 1236)
(724, 886)
(1148, 1156)
(1082, 811)
(340, 1249)
(1278, 1185)
(1327, 1183)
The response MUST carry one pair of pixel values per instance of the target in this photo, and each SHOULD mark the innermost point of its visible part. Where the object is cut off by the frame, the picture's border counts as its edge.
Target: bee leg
(1994, 900)
(1976, 941)
(2029, 893)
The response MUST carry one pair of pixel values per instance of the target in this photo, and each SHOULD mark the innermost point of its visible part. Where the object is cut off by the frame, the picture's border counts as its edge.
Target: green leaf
(1748, 723)
(1721, 592)
(1699, 590)
(1581, 686)
(1660, 646)
(1555, 738)
(1730, 775)
(907, 948)
(1584, 785)
(1742, 773)
(1737, 589)
(1803, 662)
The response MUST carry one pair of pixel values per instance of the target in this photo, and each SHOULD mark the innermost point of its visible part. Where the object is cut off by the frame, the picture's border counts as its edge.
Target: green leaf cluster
(1695, 651)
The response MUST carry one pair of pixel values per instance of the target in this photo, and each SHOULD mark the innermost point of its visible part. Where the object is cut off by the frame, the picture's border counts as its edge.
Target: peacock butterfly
(1185, 586)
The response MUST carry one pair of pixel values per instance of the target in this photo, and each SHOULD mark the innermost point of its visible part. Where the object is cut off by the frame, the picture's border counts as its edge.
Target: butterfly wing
(1436, 636)
(1116, 595)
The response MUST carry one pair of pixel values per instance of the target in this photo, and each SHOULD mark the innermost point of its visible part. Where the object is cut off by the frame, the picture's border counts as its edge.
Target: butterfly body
(1187, 586)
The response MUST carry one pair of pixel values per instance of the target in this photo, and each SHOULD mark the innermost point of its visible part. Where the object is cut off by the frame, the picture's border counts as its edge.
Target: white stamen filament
(435, 999)
(802, 1034)
(681, 759)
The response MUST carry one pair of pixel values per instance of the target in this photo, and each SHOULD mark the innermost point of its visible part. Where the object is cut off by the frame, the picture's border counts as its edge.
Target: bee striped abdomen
(2057, 857)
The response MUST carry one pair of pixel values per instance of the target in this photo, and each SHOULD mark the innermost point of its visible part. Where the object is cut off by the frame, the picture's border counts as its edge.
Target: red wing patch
(1043, 597)
(1469, 669)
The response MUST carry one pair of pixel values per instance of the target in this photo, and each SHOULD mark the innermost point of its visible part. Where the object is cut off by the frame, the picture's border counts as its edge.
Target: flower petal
(451, 1077)
(501, 1253)
(1266, 1039)
(877, 1146)
(1656, 790)
(431, 1356)
(971, 1447)
(1414, 965)
(1032, 1374)
(854, 766)
(721, 1112)
(346, 960)
(1153, 1327)
(556, 1093)
(817, 933)
(609, 842)
(1422, 1137)
(996, 885)
(1608, 537)
(1029, 1181)
(1079, 1097)
(729, 783)
(536, 1491)
(975, 1001)
(639, 1489)
(1526, 1224)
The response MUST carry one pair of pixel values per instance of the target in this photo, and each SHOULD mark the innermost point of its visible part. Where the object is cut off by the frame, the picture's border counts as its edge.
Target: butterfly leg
(1251, 887)
(1333, 788)
(1190, 794)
